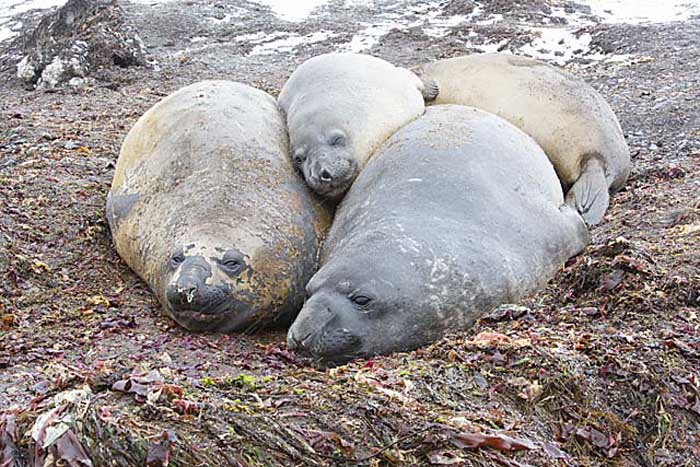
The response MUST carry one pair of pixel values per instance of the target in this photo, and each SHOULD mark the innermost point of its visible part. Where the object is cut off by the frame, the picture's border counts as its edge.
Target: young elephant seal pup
(570, 120)
(340, 107)
(457, 213)
(206, 207)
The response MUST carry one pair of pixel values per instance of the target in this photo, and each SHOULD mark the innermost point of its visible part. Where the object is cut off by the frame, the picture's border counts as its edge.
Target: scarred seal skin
(207, 209)
(457, 213)
(569, 119)
(340, 107)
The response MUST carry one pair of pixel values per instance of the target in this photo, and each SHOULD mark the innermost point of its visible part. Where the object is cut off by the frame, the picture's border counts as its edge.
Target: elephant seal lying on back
(457, 213)
(340, 107)
(570, 120)
(206, 207)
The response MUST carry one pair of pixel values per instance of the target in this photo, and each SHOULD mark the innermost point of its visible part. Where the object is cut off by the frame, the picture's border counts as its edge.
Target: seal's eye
(177, 259)
(361, 300)
(337, 138)
(232, 262)
(299, 157)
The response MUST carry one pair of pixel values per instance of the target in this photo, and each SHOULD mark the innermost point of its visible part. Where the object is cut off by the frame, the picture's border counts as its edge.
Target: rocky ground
(600, 368)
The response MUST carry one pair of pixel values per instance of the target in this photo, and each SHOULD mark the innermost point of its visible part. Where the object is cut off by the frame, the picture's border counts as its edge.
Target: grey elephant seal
(340, 107)
(570, 120)
(206, 207)
(457, 213)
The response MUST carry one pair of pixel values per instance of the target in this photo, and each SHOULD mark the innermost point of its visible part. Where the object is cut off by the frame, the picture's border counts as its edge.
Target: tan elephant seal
(340, 108)
(570, 120)
(207, 208)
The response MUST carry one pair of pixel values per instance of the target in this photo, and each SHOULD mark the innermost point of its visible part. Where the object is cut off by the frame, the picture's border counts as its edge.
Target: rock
(507, 312)
(80, 38)
(26, 70)
(9, 162)
(4, 254)
(76, 82)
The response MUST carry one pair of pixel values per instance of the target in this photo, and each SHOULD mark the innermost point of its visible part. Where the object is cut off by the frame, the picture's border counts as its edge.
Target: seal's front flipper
(428, 86)
(589, 195)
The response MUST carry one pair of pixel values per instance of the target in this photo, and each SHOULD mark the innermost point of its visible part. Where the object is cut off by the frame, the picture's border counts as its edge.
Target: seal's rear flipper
(589, 195)
(428, 87)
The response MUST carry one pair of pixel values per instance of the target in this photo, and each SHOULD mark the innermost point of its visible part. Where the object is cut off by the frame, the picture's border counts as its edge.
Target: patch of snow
(643, 11)
(10, 28)
(493, 19)
(360, 3)
(561, 43)
(14, 7)
(430, 20)
(229, 16)
(288, 43)
(490, 47)
(255, 37)
(150, 2)
(440, 27)
(557, 45)
(292, 10)
(368, 37)
(10, 8)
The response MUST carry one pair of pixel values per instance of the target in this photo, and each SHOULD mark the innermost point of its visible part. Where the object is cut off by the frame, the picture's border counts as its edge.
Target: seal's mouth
(216, 311)
(332, 192)
(331, 178)
(329, 346)
(228, 317)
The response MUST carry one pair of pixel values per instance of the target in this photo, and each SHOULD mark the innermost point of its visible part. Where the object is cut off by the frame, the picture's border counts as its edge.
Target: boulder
(76, 40)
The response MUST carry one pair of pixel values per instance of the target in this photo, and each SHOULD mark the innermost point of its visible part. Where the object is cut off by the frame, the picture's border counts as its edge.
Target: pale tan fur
(566, 116)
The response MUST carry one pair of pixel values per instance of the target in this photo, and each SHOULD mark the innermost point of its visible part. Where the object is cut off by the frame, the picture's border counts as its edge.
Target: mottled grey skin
(207, 208)
(340, 107)
(457, 213)
(572, 122)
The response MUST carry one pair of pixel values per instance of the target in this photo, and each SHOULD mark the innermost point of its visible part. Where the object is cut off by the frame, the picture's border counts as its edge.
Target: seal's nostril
(326, 176)
(292, 343)
(188, 291)
(296, 343)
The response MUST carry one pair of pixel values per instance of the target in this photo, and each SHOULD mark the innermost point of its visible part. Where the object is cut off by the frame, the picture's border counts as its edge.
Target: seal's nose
(292, 342)
(185, 292)
(187, 289)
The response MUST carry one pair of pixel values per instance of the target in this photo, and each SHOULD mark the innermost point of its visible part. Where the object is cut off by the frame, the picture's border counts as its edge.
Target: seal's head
(205, 287)
(358, 308)
(327, 161)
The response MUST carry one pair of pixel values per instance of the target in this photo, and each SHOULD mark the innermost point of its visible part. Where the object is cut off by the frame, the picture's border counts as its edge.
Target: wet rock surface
(602, 368)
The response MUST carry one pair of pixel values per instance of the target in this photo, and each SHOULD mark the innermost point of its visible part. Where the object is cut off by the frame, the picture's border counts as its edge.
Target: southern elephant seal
(569, 119)
(340, 107)
(206, 207)
(457, 213)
